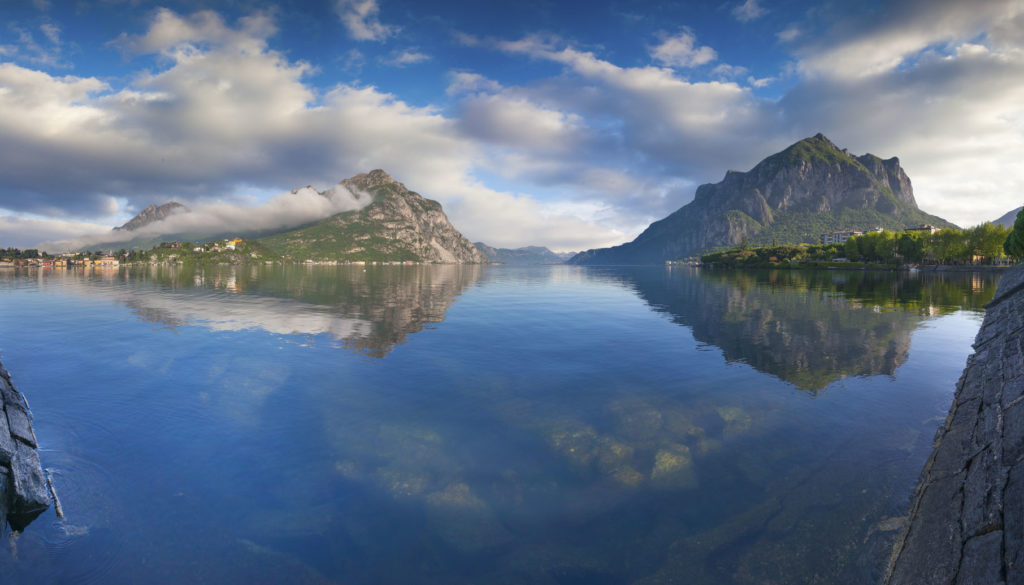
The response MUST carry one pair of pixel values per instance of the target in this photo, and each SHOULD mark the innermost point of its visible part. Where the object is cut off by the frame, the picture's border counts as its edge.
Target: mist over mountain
(791, 197)
(152, 214)
(397, 225)
(210, 220)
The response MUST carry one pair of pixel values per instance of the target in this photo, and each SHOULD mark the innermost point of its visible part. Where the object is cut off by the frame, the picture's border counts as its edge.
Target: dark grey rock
(988, 332)
(1011, 283)
(931, 552)
(1013, 358)
(1013, 526)
(982, 561)
(29, 484)
(5, 489)
(21, 426)
(971, 382)
(7, 448)
(992, 390)
(986, 431)
(8, 393)
(1013, 433)
(24, 493)
(983, 495)
(1013, 390)
(954, 446)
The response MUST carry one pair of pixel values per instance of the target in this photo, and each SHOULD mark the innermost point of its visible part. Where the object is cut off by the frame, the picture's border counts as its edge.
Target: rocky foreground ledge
(966, 524)
(23, 487)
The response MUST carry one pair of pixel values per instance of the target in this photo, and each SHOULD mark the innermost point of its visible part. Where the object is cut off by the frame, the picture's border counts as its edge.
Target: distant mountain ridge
(1008, 219)
(397, 225)
(151, 214)
(790, 197)
(523, 256)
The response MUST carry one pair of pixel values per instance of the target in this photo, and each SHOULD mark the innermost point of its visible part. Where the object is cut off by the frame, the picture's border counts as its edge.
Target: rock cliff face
(24, 491)
(790, 197)
(151, 214)
(398, 225)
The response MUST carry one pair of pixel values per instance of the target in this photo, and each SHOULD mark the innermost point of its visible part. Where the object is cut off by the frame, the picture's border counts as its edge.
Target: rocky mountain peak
(151, 214)
(792, 196)
(370, 180)
(396, 225)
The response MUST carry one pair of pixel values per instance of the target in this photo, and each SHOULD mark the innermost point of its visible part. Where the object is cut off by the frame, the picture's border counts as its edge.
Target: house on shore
(839, 236)
(922, 228)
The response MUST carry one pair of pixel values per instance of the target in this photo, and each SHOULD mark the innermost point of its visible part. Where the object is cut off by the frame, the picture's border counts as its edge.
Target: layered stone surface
(23, 489)
(966, 523)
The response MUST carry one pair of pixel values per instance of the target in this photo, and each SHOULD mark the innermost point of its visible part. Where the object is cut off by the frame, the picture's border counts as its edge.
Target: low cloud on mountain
(298, 207)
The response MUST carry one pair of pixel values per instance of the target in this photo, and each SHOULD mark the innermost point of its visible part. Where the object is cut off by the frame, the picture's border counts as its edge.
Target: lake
(475, 424)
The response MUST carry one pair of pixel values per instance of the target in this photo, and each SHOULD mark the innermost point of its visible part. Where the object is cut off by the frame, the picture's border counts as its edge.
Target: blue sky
(566, 124)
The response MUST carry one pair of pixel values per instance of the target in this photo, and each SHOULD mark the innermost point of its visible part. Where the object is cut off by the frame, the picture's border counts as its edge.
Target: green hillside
(398, 225)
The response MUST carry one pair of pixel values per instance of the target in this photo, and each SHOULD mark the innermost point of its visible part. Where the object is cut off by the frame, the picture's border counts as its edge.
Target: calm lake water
(488, 425)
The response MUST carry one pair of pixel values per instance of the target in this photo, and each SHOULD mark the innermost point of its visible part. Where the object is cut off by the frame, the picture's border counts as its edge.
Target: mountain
(151, 214)
(1008, 219)
(397, 225)
(522, 256)
(793, 196)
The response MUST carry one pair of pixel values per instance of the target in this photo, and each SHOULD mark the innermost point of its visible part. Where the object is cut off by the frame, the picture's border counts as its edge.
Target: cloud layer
(213, 218)
(584, 153)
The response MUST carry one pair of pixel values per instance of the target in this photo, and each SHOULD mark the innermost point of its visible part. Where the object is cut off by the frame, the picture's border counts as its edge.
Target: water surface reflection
(549, 425)
(810, 328)
(366, 309)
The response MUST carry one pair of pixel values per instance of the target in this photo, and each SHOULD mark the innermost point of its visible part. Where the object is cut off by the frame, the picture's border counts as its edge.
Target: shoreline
(995, 268)
(966, 517)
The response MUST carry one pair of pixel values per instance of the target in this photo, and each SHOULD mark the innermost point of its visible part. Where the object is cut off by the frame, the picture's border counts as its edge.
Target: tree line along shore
(983, 245)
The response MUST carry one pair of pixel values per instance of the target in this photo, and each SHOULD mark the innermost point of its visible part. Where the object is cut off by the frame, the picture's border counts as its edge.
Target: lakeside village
(224, 251)
(926, 245)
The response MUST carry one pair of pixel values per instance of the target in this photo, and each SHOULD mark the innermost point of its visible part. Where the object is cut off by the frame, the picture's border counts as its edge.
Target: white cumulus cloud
(682, 51)
(362, 20)
(749, 10)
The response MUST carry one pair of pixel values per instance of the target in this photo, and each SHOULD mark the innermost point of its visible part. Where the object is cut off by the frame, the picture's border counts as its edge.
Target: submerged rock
(577, 442)
(628, 476)
(737, 420)
(673, 467)
(613, 455)
(637, 421)
(464, 520)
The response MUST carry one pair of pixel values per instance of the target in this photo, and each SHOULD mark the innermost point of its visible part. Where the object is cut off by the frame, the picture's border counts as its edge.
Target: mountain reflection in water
(547, 425)
(810, 328)
(369, 310)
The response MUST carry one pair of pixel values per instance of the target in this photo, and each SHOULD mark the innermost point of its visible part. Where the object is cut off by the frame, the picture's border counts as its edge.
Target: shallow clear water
(471, 424)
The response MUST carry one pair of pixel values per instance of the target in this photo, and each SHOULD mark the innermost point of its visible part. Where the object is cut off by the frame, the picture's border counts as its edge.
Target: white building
(839, 237)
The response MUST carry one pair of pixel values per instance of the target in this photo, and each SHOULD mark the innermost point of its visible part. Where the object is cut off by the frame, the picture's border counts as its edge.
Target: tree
(1014, 244)
(986, 240)
(910, 245)
(852, 249)
(947, 245)
(884, 246)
